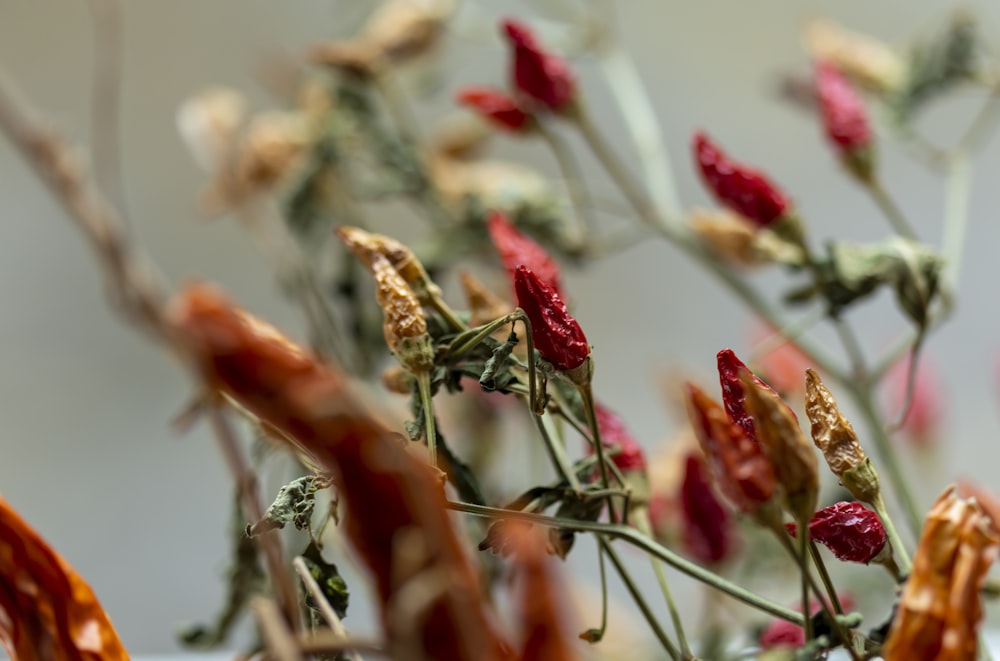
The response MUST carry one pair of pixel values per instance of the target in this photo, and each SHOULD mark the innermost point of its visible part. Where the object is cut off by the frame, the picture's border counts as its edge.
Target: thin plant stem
(640, 601)
(642, 523)
(427, 406)
(587, 394)
(601, 563)
(890, 209)
(578, 195)
(325, 609)
(852, 347)
(824, 577)
(958, 190)
(803, 540)
(899, 554)
(281, 643)
(645, 543)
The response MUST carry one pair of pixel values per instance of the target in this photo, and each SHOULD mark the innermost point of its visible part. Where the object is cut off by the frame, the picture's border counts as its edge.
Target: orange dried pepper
(394, 507)
(47, 611)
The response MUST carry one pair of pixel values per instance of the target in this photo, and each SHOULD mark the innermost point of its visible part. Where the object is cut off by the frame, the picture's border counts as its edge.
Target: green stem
(824, 576)
(642, 523)
(803, 539)
(640, 601)
(644, 543)
(889, 209)
(427, 405)
(587, 394)
(570, 169)
(899, 553)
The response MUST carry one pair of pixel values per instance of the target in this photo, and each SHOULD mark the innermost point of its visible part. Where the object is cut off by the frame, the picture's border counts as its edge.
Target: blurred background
(87, 454)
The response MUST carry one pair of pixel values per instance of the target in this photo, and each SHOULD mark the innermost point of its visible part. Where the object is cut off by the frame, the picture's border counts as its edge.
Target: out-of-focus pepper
(746, 191)
(791, 455)
(630, 458)
(538, 73)
(834, 435)
(940, 609)
(845, 120)
(484, 305)
(851, 532)
(708, 532)
(47, 611)
(394, 508)
(497, 107)
(517, 249)
(742, 472)
(865, 60)
(556, 334)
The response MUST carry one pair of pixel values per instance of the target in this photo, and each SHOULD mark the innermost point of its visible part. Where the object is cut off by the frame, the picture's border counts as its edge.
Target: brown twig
(325, 609)
(281, 643)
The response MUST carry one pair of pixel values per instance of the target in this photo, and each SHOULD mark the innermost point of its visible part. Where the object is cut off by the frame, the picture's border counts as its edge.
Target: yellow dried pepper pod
(405, 325)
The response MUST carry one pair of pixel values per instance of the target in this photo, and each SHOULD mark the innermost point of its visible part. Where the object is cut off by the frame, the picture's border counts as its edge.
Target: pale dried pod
(495, 184)
(209, 124)
(484, 304)
(738, 240)
(832, 433)
(866, 60)
(404, 318)
(271, 149)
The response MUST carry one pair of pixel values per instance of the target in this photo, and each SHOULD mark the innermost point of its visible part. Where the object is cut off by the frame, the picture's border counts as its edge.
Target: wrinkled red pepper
(556, 334)
(851, 532)
(845, 119)
(537, 73)
(708, 526)
(497, 107)
(746, 191)
(733, 395)
(517, 249)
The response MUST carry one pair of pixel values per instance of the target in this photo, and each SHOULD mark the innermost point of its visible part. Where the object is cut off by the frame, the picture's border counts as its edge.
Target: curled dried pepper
(497, 107)
(47, 611)
(746, 191)
(366, 245)
(742, 472)
(708, 531)
(394, 508)
(517, 249)
(851, 532)
(556, 334)
(791, 455)
(538, 73)
(940, 609)
(731, 372)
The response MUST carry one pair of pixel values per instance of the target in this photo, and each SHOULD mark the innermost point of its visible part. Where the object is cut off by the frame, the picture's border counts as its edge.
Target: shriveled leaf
(294, 504)
(328, 577)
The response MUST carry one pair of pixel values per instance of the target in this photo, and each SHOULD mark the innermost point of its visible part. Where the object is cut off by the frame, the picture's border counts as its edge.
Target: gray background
(86, 454)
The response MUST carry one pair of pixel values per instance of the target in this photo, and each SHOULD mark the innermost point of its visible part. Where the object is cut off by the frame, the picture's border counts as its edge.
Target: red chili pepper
(782, 633)
(845, 118)
(743, 473)
(630, 457)
(556, 334)
(496, 106)
(537, 73)
(708, 530)
(744, 190)
(733, 395)
(517, 249)
(851, 532)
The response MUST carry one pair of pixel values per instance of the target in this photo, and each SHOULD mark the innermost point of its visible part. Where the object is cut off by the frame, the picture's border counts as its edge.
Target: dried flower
(517, 249)
(394, 507)
(556, 334)
(629, 456)
(865, 60)
(484, 305)
(742, 472)
(537, 73)
(851, 532)
(740, 241)
(940, 608)
(47, 611)
(497, 107)
(793, 457)
(708, 528)
(834, 436)
(746, 191)
(845, 120)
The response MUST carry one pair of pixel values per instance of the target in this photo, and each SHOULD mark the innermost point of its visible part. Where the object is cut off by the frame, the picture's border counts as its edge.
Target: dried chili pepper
(746, 191)
(47, 611)
(851, 532)
(742, 472)
(517, 249)
(556, 334)
(731, 372)
(834, 436)
(537, 73)
(394, 507)
(497, 107)
(940, 609)
(791, 455)
(366, 245)
(845, 120)
(708, 527)
(784, 634)
(630, 457)
(484, 305)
